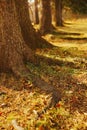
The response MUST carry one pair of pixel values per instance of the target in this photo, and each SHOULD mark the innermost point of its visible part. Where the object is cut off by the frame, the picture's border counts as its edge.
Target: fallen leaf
(58, 105)
(0, 113)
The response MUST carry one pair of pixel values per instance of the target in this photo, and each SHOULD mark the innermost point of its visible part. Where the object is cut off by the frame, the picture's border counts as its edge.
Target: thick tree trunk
(13, 50)
(58, 12)
(36, 12)
(46, 18)
(25, 23)
(31, 37)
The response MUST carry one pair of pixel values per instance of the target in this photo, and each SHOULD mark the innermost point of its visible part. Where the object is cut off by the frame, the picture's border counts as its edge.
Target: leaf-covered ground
(63, 67)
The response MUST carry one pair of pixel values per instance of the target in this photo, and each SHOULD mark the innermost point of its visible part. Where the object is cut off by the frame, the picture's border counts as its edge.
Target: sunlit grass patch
(65, 56)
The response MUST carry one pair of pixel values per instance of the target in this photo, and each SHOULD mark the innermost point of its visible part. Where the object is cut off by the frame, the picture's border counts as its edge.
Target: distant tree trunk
(46, 18)
(58, 12)
(33, 39)
(13, 50)
(36, 12)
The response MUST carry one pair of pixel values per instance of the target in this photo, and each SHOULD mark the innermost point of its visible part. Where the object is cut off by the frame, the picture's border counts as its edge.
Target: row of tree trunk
(17, 35)
(46, 15)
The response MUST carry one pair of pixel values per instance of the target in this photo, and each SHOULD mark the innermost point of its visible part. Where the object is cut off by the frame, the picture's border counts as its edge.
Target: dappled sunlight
(67, 64)
(43, 65)
(71, 35)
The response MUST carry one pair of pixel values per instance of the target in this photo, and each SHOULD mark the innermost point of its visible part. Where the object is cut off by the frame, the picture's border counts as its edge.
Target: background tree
(77, 6)
(58, 12)
(36, 12)
(46, 18)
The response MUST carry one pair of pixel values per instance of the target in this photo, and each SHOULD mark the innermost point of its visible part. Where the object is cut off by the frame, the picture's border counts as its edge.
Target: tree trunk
(36, 12)
(13, 50)
(46, 18)
(31, 37)
(25, 23)
(58, 12)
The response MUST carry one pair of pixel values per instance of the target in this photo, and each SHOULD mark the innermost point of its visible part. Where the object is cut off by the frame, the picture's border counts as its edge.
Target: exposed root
(49, 89)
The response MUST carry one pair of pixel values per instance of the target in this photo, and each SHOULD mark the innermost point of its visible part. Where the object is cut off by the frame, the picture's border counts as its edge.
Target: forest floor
(24, 106)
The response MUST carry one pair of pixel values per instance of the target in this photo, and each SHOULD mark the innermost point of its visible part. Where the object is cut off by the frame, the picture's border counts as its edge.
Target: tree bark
(46, 18)
(32, 38)
(25, 23)
(36, 12)
(13, 50)
(58, 12)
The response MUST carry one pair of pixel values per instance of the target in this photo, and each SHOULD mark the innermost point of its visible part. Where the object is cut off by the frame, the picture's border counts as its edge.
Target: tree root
(47, 88)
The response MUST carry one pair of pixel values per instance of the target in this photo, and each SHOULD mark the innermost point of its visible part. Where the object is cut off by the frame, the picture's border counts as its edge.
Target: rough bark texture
(36, 12)
(58, 12)
(46, 19)
(13, 50)
(25, 23)
(31, 37)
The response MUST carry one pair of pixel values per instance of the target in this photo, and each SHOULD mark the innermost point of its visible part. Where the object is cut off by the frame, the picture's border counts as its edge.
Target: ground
(63, 67)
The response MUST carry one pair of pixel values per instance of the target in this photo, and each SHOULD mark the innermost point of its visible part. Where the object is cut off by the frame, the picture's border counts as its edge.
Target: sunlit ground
(64, 67)
(71, 35)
